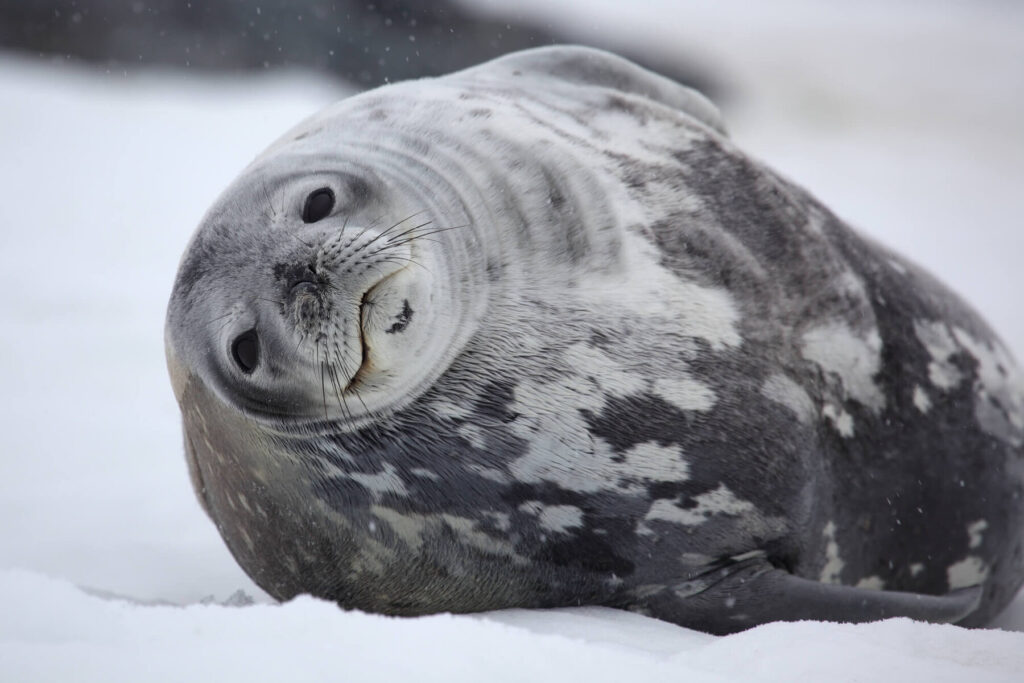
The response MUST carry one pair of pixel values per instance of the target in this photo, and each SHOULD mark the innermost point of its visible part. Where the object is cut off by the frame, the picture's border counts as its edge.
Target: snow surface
(61, 634)
(904, 117)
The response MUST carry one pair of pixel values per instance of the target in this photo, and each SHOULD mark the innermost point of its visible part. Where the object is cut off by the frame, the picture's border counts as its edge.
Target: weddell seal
(537, 334)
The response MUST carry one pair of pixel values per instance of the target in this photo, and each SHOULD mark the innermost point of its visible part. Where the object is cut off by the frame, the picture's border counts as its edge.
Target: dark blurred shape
(366, 43)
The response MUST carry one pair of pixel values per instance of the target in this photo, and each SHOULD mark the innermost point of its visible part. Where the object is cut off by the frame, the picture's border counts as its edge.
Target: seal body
(537, 334)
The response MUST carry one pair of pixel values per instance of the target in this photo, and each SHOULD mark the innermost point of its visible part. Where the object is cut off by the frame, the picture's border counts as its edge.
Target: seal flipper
(747, 593)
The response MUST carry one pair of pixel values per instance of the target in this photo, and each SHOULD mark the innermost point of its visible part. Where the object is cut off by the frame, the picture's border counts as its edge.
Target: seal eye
(246, 351)
(318, 205)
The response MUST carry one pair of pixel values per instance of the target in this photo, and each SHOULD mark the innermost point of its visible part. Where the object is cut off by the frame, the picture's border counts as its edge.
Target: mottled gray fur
(639, 369)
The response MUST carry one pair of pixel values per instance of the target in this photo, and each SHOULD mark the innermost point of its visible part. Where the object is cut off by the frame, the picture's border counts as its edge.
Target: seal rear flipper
(751, 592)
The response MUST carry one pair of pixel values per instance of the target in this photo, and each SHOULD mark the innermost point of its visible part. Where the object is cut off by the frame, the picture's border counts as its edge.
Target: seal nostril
(246, 351)
(304, 287)
(304, 280)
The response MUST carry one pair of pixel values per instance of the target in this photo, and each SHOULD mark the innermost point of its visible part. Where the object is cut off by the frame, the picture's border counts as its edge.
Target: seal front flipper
(748, 592)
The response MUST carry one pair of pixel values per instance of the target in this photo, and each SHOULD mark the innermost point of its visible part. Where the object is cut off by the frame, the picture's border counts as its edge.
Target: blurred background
(365, 44)
(121, 121)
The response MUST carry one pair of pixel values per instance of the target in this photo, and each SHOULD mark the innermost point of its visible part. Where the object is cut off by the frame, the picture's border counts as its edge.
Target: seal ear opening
(589, 66)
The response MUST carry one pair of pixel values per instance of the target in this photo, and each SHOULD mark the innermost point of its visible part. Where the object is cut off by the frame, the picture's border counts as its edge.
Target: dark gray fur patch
(402, 320)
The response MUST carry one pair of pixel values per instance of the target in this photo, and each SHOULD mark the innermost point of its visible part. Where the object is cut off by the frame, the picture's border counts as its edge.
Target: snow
(60, 633)
(904, 117)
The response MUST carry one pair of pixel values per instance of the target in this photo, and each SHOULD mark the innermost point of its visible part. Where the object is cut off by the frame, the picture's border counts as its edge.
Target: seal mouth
(364, 365)
(365, 302)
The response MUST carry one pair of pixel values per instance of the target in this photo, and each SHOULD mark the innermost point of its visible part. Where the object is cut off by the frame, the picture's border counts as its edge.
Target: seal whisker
(323, 388)
(409, 240)
(226, 323)
(372, 259)
(354, 393)
(392, 258)
(364, 246)
(332, 373)
(300, 240)
(362, 232)
(427, 233)
(350, 376)
(341, 361)
(406, 232)
(219, 317)
(359, 396)
(335, 358)
(266, 196)
(385, 232)
(398, 239)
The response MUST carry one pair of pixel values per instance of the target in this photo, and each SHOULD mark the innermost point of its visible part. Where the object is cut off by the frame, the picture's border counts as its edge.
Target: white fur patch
(873, 583)
(413, 528)
(386, 481)
(647, 288)
(721, 501)
(841, 420)
(976, 532)
(783, 390)
(561, 448)
(969, 571)
(649, 462)
(450, 409)
(941, 346)
(606, 372)
(855, 359)
(921, 400)
(501, 520)
(999, 387)
(600, 468)
(833, 568)
(474, 434)
(611, 377)
(851, 283)
(408, 528)
(554, 518)
(999, 378)
(685, 393)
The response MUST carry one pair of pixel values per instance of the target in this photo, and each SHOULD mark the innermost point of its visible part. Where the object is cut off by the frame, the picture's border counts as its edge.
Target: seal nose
(302, 280)
(245, 350)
